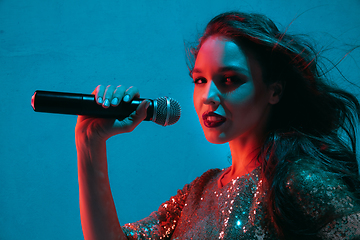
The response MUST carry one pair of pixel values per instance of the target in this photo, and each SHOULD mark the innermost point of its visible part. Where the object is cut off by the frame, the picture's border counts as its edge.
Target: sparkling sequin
(203, 210)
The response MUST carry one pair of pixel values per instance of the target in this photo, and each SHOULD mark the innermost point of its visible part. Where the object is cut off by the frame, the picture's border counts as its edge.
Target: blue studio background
(74, 45)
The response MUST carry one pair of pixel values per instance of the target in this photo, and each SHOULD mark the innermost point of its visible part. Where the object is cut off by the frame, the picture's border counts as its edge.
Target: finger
(141, 112)
(118, 95)
(109, 91)
(135, 118)
(99, 93)
(131, 92)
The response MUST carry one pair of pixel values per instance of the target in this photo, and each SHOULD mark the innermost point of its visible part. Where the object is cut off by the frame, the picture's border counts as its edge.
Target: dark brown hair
(307, 121)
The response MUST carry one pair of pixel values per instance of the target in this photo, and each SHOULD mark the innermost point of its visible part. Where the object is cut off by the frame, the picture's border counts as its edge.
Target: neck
(244, 153)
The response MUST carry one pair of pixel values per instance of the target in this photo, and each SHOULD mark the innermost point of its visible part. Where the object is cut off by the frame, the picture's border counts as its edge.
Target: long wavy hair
(313, 120)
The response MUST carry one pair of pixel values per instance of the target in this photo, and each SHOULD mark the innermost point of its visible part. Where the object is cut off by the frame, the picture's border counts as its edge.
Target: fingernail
(115, 101)
(147, 105)
(106, 103)
(126, 98)
(100, 100)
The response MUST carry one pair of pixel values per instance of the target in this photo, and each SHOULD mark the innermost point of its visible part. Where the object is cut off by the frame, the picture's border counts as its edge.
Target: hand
(102, 128)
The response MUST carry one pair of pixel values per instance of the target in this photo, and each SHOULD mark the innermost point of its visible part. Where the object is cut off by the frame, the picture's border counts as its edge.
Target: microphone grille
(168, 111)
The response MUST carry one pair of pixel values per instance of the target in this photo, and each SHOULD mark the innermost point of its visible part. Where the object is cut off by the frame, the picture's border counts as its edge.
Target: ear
(276, 91)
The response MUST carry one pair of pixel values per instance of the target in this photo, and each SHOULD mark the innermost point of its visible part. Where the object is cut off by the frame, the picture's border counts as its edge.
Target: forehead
(219, 51)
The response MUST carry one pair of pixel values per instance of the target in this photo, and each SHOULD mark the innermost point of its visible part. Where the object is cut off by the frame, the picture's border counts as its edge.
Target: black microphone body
(164, 111)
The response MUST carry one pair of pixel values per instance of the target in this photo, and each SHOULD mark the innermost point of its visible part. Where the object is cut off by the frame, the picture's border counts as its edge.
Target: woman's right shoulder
(211, 173)
(208, 177)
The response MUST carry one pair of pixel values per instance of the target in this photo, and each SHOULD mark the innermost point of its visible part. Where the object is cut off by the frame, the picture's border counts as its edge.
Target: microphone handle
(84, 104)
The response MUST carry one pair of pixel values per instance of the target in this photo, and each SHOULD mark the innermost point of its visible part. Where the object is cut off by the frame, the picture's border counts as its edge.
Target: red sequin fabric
(205, 210)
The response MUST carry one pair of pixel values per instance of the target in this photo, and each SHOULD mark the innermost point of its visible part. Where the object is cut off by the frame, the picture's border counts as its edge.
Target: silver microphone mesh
(166, 111)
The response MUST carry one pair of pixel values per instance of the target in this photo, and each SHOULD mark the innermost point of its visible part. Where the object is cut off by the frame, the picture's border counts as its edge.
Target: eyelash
(233, 79)
(196, 80)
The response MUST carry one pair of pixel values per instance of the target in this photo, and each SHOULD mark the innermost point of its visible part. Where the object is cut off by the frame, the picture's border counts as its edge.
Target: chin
(216, 138)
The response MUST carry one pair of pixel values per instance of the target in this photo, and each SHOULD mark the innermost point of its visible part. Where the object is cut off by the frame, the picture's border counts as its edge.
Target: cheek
(249, 109)
(241, 97)
(246, 106)
(196, 101)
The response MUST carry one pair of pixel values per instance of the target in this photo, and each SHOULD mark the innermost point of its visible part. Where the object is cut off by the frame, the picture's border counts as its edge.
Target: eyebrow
(226, 69)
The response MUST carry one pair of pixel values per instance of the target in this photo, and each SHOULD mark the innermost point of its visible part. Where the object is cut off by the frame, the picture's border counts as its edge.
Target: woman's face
(230, 97)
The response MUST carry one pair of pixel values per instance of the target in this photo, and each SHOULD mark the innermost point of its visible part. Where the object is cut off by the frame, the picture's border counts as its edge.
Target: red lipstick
(212, 119)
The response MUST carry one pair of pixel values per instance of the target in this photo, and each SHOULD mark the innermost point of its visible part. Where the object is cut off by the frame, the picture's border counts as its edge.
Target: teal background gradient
(74, 45)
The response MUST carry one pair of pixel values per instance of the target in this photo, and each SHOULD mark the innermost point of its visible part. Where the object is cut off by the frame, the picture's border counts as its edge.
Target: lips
(213, 120)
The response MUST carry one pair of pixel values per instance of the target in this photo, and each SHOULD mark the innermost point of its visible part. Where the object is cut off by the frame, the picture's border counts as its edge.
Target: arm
(97, 210)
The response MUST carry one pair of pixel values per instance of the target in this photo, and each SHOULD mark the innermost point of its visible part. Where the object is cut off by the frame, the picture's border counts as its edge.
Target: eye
(199, 80)
(228, 80)
(231, 80)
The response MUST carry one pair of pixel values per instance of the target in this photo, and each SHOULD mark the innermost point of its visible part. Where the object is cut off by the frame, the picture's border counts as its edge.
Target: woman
(292, 175)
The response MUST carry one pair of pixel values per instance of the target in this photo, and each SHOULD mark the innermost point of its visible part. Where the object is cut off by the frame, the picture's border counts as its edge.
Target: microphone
(163, 111)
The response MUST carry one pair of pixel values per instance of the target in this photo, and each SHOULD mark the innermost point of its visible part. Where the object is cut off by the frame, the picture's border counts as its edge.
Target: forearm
(98, 214)
(97, 209)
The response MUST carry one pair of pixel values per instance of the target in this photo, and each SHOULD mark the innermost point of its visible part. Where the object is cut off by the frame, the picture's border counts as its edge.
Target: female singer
(294, 172)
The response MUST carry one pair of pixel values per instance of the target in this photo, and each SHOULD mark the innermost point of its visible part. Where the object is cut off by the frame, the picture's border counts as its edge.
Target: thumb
(141, 112)
(134, 119)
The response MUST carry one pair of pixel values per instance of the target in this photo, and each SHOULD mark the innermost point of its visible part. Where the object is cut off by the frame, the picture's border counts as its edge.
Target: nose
(211, 95)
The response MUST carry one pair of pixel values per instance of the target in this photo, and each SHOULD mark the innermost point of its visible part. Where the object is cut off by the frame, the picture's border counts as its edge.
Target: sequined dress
(204, 209)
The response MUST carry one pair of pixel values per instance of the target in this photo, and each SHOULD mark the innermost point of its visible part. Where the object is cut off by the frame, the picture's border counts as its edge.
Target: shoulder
(305, 174)
(201, 181)
(207, 177)
(317, 201)
(318, 191)
(177, 202)
(211, 173)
